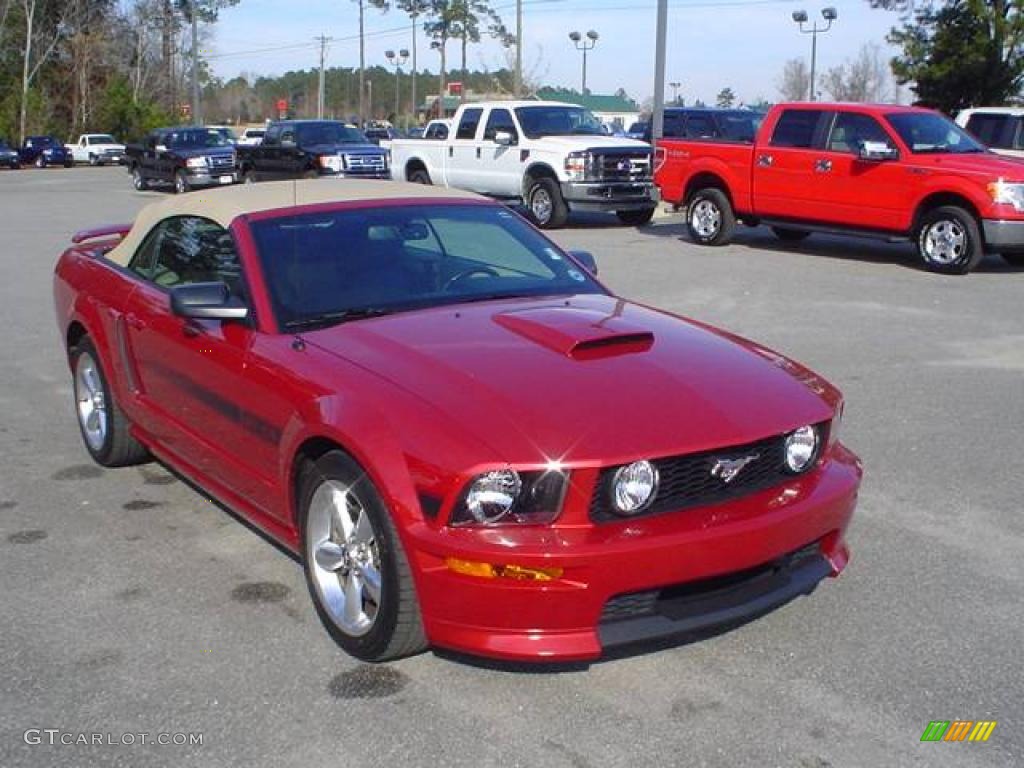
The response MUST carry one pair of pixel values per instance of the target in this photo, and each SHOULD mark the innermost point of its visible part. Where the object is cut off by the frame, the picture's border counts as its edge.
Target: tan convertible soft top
(223, 205)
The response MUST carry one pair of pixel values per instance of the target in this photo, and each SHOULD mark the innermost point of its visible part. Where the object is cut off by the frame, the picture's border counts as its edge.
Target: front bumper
(1004, 235)
(205, 177)
(678, 573)
(610, 195)
(385, 174)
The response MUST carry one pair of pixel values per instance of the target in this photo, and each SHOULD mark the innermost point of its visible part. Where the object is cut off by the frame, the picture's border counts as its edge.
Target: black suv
(294, 149)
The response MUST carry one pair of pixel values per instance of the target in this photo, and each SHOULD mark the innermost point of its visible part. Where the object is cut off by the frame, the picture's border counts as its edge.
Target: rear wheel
(138, 180)
(949, 241)
(1014, 259)
(104, 427)
(181, 185)
(356, 570)
(546, 204)
(420, 176)
(788, 235)
(710, 217)
(636, 218)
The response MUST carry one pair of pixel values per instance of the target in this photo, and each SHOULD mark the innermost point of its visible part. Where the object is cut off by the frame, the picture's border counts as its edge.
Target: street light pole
(415, 105)
(830, 14)
(517, 87)
(584, 45)
(398, 60)
(675, 91)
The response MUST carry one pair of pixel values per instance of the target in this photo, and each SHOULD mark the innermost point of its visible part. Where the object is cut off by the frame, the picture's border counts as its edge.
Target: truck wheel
(40, 162)
(356, 569)
(636, 218)
(94, 161)
(546, 205)
(949, 241)
(420, 176)
(311, 174)
(249, 177)
(710, 217)
(105, 428)
(788, 235)
(1014, 259)
(139, 181)
(181, 185)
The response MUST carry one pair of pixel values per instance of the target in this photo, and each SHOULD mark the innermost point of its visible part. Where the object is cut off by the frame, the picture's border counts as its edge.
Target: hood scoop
(580, 334)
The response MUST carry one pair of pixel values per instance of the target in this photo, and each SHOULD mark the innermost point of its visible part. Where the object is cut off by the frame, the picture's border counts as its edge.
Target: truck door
(501, 165)
(784, 167)
(460, 160)
(857, 192)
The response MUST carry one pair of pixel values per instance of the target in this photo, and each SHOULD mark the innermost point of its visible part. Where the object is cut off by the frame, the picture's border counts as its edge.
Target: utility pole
(415, 107)
(322, 92)
(196, 116)
(517, 88)
(660, 44)
(362, 71)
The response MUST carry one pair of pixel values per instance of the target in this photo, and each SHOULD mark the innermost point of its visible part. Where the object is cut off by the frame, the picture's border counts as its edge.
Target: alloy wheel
(541, 205)
(944, 242)
(91, 401)
(706, 219)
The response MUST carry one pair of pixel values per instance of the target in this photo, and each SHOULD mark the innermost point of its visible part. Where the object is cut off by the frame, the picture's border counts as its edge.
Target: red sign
(454, 89)
(282, 105)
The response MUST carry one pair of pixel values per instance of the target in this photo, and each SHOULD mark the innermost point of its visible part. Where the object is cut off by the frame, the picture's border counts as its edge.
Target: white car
(555, 157)
(252, 137)
(97, 149)
(1001, 129)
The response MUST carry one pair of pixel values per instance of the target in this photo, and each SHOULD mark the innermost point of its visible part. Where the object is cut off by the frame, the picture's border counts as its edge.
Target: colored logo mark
(958, 730)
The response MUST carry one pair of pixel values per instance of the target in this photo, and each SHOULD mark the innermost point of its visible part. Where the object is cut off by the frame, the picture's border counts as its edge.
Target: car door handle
(478, 153)
(451, 151)
(823, 166)
(765, 161)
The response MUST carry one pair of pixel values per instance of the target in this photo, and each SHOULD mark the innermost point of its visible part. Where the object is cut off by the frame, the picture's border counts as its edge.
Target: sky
(742, 44)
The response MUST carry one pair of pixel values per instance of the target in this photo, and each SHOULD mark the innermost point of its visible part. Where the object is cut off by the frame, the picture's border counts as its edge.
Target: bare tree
(865, 77)
(795, 83)
(44, 21)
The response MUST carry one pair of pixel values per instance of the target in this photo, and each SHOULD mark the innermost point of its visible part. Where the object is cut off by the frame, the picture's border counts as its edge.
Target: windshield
(197, 138)
(42, 141)
(927, 133)
(558, 121)
(102, 138)
(312, 134)
(226, 132)
(324, 268)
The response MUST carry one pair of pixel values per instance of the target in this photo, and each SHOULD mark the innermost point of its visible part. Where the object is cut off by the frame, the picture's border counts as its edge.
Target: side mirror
(210, 301)
(161, 147)
(504, 138)
(877, 152)
(586, 260)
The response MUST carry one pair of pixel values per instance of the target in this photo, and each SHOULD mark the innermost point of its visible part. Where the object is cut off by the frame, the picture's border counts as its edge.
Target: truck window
(468, 124)
(700, 126)
(437, 131)
(850, 130)
(272, 136)
(796, 128)
(672, 127)
(499, 120)
(989, 129)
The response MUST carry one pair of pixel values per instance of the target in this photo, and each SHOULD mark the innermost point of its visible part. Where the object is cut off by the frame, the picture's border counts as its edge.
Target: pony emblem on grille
(727, 469)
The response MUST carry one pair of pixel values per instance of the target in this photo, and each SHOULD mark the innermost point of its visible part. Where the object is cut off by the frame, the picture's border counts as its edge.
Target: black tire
(138, 180)
(636, 218)
(311, 174)
(546, 205)
(69, 164)
(709, 217)
(788, 235)
(949, 241)
(249, 177)
(1013, 259)
(420, 176)
(118, 448)
(397, 628)
(181, 185)
(94, 161)
(40, 161)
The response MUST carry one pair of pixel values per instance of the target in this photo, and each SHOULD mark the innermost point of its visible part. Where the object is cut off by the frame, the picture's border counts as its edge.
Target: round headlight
(633, 487)
(801, 448)
(493, 494)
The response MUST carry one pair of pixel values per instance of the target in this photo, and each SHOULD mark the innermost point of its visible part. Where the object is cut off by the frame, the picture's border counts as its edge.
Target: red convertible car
(468, 440)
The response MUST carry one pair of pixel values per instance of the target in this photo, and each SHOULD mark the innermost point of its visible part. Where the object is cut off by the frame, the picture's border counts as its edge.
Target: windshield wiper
(325, 319)
(473, 298)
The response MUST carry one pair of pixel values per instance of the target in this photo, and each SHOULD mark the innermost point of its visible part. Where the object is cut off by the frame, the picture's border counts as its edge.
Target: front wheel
(636, 218)
(94, 160)
(139, 181)
(949, 241)
(181, 185)
(1014, 259)
(40, 162)
(356, 570)
(104, 427)
(546, 204)
(249, 177)
(710, 217)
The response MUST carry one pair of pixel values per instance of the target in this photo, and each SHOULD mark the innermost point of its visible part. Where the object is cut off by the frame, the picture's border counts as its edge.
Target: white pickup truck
(96, 149)
(552, 156)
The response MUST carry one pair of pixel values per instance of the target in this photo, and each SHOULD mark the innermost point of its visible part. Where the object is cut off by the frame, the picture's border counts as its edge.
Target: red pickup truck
(900, 173)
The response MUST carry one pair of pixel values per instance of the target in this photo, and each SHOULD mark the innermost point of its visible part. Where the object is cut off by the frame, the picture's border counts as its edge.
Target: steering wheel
(467, 272)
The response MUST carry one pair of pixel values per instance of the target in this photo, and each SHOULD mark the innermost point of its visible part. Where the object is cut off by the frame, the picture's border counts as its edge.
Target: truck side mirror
(877, 152)
(161, 147)
(504, 138)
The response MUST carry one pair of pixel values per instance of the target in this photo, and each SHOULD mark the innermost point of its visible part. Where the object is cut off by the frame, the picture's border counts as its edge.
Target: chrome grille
(368, 164)
(625, 165)
(218, 162)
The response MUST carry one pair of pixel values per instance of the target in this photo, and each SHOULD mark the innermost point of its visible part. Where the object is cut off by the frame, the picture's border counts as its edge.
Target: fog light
(801, 448)
(490, 571)
(633, 487)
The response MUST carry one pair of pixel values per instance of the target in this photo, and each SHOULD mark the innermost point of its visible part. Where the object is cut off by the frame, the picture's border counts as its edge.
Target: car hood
(119, 147)
(577, 143)
(584, 378)
(7, 152)
(345, 149)
(203, 151)
(988, 165)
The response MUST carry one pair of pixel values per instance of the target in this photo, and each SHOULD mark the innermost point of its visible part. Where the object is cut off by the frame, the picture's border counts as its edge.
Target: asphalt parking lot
(132, 604)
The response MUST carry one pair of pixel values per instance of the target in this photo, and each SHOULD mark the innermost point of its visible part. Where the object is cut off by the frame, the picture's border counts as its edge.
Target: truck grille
(369, 165)
(222, 162)
(686, 481)
(623, 165)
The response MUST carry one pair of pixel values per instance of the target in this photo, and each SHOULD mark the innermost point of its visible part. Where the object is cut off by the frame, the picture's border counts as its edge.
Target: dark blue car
(8, 156)
(45, 150)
